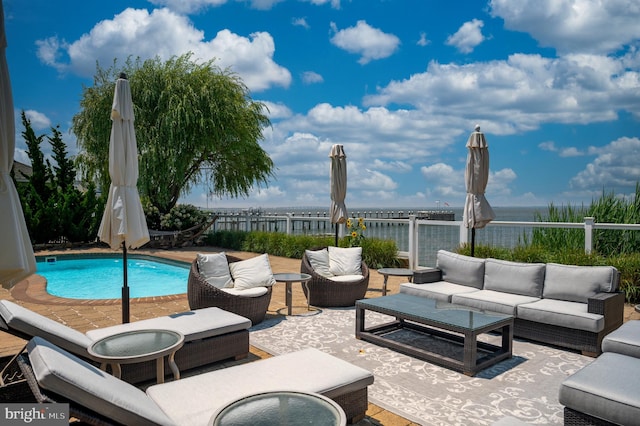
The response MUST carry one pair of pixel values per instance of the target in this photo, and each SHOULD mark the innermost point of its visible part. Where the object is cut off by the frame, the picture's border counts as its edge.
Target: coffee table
(457, 325)
(134, 346)
(396, 272)
(288, 278)
(281, 408)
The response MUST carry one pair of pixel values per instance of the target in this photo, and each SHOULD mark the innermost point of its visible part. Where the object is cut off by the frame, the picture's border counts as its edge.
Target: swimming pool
(101, 277)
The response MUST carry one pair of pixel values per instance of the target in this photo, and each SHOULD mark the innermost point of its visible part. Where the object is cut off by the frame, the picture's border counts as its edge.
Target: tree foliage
(54, 209)
(194, 123)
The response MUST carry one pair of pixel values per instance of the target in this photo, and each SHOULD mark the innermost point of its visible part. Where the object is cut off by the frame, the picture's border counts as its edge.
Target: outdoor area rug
(525, 386)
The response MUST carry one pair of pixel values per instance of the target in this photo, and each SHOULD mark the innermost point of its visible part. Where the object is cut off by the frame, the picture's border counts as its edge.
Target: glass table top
(136, 343)
(433, 310)
(281, 408)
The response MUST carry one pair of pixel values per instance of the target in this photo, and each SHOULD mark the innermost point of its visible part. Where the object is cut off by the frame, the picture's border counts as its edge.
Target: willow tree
(195, 123)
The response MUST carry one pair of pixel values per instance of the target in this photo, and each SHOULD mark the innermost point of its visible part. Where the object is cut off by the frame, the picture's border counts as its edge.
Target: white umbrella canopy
(16, 253)
(338, 174)
(123, 222)
(477, 211)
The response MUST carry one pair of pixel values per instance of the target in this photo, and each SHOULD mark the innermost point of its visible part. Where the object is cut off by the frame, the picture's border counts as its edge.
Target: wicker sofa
(326, 291)
(568, 306)
(201, 294)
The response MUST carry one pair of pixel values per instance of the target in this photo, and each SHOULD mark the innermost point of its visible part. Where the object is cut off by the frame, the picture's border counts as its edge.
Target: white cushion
(247, 292)
(319, 260)
(215, 269)
(347, 278)
(254, 272)
(345, 261)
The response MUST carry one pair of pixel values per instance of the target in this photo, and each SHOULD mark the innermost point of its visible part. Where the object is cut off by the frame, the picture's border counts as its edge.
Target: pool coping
(34, 288)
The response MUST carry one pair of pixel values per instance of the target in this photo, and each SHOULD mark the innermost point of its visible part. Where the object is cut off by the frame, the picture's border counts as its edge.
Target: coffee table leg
(470, 354)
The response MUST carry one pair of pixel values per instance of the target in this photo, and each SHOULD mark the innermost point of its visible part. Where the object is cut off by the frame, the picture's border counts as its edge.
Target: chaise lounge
(211, 335)
(96, 397)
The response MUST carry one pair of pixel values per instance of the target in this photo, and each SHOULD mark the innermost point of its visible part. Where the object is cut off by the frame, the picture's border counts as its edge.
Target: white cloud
(573, 25)
(548, 146)
(277, 110)
(371, 43)
(163, 33)
(615, 168)
(334, 3)
(423, 41)
(310, 77)
(39, 121)
(300, 22)
(571, 152)
(468, 36)
(188, 6)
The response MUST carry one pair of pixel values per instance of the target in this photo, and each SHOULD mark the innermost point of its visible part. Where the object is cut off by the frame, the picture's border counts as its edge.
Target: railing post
(289, 222)
(413, 242)
(464, 234)
(588, 234)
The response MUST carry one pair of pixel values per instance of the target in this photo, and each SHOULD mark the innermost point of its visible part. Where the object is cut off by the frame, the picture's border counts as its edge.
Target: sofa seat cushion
(64, 374)
(493, 301)
(561, 313)
(460, 269)
(514, 277)
(247, 292)
(607, 389)
(194, 325)
(193, 400)
(441, 290)
(33, 324)
(625, 340)
(578, 283)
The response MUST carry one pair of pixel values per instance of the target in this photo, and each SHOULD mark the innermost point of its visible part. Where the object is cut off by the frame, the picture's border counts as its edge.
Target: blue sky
(554, 85)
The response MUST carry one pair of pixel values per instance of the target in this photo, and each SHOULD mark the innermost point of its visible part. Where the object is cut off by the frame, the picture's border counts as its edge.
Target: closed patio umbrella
(123, 222)
(16, 253)
(477, 211)
(338, 212)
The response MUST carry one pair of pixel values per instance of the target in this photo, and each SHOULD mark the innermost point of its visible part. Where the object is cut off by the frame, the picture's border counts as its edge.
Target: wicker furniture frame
(201, 294)
(354, 403)
(322, 291)
(573, 417)
(193, 354)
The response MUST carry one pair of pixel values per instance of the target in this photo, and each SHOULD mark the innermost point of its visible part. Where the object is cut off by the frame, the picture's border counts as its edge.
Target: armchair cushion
(319, 260)
(345, 261)
(254, 272)
(215, 269)
(578, 283)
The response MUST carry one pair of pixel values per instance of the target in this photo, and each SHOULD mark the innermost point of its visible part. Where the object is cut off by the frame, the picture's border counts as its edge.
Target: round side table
(288, 278)
(395, 272)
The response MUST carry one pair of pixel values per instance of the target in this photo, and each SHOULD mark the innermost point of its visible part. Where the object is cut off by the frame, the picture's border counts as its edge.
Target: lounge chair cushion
(346, 278)
(194, 325)
(253, 272)
(64, 374)
(319, 260)
(215, 269)
(189, 400)
(33, 324)
(461, 269)
(249, 292)
(345, 261)
(625, 340)
(526, 279)
(607, 389)
(578, 283)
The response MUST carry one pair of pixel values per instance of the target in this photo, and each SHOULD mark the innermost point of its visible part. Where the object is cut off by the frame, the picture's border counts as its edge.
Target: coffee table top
(281, 408)
(422, 308)
(136, 345)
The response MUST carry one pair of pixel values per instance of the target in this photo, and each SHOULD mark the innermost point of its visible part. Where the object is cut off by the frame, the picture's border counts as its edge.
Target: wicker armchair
(203, 295)
(322, 291)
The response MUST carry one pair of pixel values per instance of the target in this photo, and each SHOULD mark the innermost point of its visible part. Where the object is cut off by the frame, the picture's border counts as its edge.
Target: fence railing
(418, 239)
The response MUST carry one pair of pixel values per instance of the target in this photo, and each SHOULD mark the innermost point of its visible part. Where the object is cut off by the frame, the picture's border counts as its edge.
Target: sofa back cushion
(460, 269)
(526, 279)
(578, 283)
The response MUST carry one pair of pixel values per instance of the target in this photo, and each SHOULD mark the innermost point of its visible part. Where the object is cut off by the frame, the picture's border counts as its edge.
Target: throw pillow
(345, 261)
(215, 269)
(319, 260)
(254, 272)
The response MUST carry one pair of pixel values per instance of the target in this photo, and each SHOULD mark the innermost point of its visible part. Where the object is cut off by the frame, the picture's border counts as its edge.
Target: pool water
(102, 277)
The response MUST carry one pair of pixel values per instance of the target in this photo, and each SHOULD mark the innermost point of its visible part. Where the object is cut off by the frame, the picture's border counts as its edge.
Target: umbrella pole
(336, 225)
(125, 286)
(473, 240)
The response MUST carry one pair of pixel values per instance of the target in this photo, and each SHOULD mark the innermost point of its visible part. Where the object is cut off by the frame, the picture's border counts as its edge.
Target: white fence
(418, 240)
